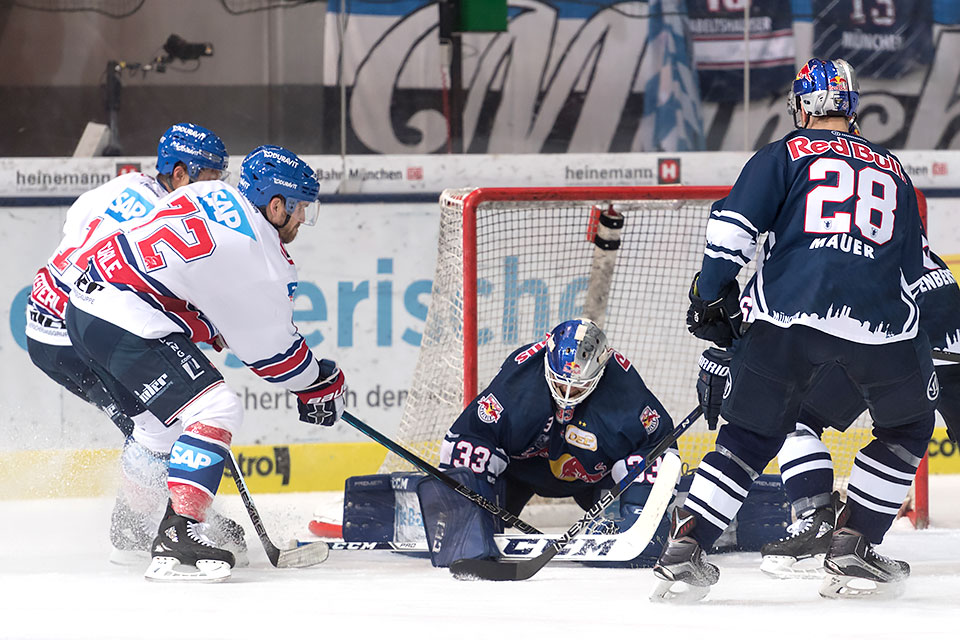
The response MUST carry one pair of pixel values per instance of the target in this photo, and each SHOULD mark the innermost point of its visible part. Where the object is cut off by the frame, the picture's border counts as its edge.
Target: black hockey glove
(323, 402)
(717, 320)
(711, 381)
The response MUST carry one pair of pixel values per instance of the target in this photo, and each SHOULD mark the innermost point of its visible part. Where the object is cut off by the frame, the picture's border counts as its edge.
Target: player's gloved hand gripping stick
(511, 571)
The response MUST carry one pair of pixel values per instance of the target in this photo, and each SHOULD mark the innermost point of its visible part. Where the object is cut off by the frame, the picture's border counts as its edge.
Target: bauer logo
(933, 387)
(668, 170)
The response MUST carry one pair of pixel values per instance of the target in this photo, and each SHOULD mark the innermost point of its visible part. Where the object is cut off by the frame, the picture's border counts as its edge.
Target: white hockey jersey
(93, 216)
(204, 262)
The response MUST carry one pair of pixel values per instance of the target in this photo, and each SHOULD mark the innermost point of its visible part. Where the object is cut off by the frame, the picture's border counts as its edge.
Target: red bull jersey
(514, 429)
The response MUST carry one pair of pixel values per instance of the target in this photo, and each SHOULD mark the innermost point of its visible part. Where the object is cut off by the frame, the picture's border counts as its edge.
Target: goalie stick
(949, 356)
(302, 556)
(623, 546)
(431, 470)
(468, 569)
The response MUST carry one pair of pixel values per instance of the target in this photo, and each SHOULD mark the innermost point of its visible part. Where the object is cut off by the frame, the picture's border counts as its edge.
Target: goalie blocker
(420, 514)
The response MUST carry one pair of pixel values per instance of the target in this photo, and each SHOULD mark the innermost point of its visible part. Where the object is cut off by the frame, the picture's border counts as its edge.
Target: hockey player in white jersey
(208, 264)
(186, 153)
(835, 286)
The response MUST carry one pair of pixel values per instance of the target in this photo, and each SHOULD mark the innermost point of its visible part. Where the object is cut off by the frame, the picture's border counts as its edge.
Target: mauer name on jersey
(800, 147)
(845, 243)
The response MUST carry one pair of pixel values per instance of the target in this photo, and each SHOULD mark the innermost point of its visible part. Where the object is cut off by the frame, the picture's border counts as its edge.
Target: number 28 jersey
(844, 249)
(204, 262)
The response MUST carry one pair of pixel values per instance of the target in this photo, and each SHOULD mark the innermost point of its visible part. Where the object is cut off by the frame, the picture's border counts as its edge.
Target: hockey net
(512, 263)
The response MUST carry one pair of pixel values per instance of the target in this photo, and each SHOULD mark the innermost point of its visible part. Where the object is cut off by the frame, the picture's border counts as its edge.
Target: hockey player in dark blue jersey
(805, 462)
(835, 286)
(564, 417)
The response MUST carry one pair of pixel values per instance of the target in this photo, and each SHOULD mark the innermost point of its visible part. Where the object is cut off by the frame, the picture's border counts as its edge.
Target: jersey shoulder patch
(489, 409)
(223, 207)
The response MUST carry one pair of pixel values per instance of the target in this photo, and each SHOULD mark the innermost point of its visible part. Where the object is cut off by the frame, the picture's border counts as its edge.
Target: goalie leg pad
(456, 527)
(368, 509)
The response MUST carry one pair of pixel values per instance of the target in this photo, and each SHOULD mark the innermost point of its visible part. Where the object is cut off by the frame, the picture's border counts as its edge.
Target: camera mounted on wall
(174, 49)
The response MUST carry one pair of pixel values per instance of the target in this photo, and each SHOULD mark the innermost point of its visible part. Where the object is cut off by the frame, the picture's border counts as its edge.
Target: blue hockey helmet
(824, 88)
(577, 354)
(270, 171)
(196, 147)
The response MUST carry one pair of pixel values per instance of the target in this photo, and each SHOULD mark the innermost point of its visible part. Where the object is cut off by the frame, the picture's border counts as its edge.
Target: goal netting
(513, 263)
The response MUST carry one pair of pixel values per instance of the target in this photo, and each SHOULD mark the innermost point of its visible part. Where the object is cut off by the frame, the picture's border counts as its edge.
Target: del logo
(184, 456)
(650, 419)
(668, 170)
(489, 408)
(580, 438)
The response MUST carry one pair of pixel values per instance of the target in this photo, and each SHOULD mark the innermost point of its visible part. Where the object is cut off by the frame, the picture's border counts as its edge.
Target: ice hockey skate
(684, 573)
(183, 552)
(855, 570)
(800, 554)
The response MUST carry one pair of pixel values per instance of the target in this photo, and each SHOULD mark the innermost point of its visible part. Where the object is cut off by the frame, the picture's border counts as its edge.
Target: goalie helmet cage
(512, 263)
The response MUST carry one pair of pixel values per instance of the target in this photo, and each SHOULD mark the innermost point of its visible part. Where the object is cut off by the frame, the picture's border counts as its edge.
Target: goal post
(514, 262)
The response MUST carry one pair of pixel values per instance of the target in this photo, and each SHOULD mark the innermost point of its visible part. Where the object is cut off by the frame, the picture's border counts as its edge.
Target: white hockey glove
(323, 402)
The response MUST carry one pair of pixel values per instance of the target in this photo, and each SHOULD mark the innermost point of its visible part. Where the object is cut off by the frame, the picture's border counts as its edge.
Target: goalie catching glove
(716, 320)
(711, 381)
(323, 402)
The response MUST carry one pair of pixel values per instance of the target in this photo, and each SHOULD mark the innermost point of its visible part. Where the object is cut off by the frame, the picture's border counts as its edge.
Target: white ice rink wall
(365, 275)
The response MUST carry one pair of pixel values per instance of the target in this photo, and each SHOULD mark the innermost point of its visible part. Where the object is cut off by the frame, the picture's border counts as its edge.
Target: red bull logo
(650, 419)
(572, 368)
(568, 468)
(489, 408)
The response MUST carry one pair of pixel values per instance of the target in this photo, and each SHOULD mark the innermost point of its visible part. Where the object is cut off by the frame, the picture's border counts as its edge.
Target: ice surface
(55, 582)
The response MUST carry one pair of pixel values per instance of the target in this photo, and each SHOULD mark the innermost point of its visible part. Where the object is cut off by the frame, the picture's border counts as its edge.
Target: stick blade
(473, 569)
(307, 555)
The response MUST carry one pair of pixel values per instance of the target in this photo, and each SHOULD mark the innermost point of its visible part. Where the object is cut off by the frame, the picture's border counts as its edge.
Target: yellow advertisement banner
(267, 469)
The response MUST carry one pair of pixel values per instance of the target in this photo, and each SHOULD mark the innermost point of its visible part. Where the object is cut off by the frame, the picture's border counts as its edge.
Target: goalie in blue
(564, 417)
(835, 286)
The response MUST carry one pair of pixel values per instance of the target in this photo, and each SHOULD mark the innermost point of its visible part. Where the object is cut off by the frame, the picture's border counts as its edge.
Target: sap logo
(223, 208)
(127, 205)
(152, 389)
(183, 456)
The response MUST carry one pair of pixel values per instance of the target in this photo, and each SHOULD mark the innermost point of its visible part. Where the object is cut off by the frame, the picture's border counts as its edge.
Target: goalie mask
(577, 353)
(824, 88)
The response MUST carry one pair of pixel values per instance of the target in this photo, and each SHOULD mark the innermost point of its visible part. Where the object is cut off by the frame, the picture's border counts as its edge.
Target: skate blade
(128, 557)
(167, 569)
(788, 567)
(850, 587)
(676, 592)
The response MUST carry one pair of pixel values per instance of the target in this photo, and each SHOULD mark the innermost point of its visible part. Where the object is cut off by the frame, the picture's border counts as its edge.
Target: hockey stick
(302, 556)
(512, 571)
(431, 470)
(949, 356)
(622, 546)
